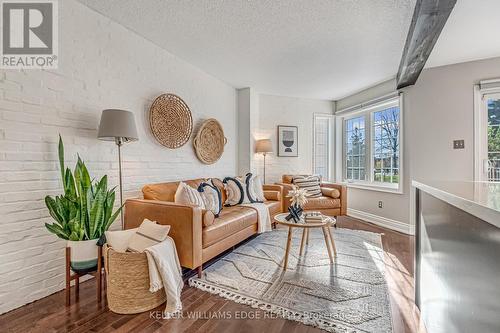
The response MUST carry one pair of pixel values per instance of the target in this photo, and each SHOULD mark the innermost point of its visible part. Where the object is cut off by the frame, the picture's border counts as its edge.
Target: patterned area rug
(348, 296)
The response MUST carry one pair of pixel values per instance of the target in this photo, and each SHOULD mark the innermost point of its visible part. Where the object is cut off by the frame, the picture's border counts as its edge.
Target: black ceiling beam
(427, 23)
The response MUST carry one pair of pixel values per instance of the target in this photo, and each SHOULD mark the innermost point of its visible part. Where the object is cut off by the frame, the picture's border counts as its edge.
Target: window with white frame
(371, 145)
(322, 150)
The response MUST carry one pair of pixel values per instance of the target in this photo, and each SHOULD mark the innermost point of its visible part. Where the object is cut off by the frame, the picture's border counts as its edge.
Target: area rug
(350, 295)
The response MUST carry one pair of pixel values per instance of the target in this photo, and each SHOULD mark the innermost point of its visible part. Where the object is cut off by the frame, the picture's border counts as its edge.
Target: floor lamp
(118, 126)
(264, 147)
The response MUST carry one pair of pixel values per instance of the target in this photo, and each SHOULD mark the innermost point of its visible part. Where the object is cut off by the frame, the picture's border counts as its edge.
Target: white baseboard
(382, 221)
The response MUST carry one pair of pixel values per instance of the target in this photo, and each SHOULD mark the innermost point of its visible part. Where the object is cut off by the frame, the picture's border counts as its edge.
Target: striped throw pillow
(310, 184)
(185, 194)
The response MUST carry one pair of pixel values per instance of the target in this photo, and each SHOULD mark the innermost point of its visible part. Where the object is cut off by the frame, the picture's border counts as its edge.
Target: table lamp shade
(117, 124)
(263, 146)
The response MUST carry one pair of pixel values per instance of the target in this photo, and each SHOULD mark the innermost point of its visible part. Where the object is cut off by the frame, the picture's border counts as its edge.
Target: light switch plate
(458, 144)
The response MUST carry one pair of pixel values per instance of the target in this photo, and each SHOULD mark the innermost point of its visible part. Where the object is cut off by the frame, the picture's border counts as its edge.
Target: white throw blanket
(264, 219)
(165, 272)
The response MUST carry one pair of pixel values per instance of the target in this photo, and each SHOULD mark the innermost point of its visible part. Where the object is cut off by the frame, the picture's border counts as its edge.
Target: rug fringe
(310, 320)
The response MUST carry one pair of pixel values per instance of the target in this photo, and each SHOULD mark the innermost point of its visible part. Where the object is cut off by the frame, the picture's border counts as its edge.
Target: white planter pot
(83, 255)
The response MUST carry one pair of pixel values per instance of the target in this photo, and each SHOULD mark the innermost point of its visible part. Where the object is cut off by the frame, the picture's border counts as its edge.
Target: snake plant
(85, 210)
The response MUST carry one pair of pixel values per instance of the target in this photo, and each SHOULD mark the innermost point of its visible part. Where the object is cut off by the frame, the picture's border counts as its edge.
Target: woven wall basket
(127, 283)
(170, 120)
(209, 142)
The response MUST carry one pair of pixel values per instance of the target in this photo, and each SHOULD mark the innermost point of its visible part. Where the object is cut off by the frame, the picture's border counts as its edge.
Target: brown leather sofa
(198, 236)
(333, 201)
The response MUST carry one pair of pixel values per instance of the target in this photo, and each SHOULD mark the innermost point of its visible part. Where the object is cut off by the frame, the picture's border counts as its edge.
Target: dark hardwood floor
(51, 315)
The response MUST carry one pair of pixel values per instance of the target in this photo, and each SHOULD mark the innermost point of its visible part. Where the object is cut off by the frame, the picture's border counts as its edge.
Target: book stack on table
(313, 217)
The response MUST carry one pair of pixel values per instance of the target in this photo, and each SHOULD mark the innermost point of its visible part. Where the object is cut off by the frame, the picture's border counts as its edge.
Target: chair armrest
(343, 195)
(185, 225)
(286, 201)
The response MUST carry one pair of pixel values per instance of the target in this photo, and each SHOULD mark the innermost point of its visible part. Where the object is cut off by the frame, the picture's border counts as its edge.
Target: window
(371, 150)
(386, 145)
(487, 130)
(493, 106)
(355, 149)
(322, 145)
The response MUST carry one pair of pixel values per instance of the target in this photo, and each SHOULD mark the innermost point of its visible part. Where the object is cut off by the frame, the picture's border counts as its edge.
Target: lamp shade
(263, 146)
(117, 124)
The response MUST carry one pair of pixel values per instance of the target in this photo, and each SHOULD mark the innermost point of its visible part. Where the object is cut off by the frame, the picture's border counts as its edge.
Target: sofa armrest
(275, 187)
(185, 225)
(272, 195)
(343, 195)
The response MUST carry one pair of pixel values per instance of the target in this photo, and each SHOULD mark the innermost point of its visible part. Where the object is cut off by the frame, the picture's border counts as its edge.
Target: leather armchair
(333, 201)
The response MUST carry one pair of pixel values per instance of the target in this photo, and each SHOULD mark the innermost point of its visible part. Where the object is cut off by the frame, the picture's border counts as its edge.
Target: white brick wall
(101, 65)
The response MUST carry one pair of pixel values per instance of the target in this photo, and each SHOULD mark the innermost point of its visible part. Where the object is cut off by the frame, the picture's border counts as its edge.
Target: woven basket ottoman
(127, 283)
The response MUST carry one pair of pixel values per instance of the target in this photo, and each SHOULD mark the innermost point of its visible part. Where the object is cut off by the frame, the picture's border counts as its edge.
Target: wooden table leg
(327, 243)
(332, 241)
(304, 234)
(307, 236)
(68, 276)
(288, 242)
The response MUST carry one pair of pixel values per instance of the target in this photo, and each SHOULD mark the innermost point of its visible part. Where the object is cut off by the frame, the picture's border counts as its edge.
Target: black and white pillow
(241, 190)
(310, 183)
(211, 196)
(236, 191)
(255, 189)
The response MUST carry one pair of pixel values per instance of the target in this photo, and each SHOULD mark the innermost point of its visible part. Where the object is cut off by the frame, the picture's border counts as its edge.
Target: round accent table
(325, 225)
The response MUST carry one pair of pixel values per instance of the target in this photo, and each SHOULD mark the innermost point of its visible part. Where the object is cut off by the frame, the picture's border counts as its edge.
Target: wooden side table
(324, 225)
(98, 274)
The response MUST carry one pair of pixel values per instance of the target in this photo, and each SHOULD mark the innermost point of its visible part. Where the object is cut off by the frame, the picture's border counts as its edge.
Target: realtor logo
(29, 34)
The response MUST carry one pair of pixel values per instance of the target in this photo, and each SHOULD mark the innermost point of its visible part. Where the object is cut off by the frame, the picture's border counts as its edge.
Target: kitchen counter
(481, 199)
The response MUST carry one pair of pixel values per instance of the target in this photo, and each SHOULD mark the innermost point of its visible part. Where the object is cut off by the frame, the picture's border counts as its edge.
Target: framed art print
(288, 141)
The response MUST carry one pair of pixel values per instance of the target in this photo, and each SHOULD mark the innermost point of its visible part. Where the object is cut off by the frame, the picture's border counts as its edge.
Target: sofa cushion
(272, 195)
(310, 184)
(321, 203)
(330, 192)
(186, 195)
(230, 221)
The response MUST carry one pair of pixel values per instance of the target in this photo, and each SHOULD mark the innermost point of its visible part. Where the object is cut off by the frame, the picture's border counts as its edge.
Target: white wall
(279, 110)
(437, 110)
(102, 65)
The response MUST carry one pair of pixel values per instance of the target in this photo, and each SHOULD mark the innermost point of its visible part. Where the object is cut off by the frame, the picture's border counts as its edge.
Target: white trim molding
(382, 221)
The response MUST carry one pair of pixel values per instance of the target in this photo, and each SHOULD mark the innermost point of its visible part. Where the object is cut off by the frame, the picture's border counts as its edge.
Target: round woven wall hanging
(209, 142)
(170, 120)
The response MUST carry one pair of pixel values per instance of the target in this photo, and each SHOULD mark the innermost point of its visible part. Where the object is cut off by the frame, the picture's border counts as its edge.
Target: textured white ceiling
(472, 32)
(306, 48)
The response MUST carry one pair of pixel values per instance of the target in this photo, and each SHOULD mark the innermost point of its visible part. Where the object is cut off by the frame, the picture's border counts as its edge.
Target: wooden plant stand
(98, 274)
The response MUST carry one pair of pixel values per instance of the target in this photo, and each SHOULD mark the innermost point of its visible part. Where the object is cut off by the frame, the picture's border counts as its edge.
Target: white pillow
(185, 194)
(211, 197)
(255, 189)
(119, 239)
(148, 234)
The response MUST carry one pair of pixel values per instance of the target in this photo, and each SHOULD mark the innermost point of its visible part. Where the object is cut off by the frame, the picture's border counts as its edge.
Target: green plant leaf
(61, 159)
(98, 210)
(57, 230)
(112, 218)
(54, 211)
